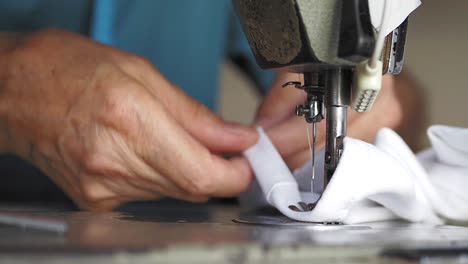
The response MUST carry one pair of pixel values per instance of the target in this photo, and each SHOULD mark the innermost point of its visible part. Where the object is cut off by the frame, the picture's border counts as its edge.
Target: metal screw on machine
(301, 110)
(312, 109)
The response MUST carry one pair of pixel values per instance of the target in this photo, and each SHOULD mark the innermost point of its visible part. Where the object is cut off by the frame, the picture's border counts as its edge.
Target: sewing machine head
(327, 41)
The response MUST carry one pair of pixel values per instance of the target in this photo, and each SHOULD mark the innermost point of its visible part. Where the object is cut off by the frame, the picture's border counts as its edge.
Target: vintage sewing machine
(329, 41)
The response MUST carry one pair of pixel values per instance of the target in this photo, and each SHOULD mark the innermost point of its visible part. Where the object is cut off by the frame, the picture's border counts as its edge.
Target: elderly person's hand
(108, 128)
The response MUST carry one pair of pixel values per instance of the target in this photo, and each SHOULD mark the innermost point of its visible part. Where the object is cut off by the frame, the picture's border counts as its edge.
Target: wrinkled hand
(396, 107)
(109, 128)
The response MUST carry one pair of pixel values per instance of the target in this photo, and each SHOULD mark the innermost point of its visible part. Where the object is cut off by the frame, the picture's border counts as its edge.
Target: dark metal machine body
(324, 40)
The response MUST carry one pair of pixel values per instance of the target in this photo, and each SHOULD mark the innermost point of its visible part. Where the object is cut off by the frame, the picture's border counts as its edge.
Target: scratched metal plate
(196, 232)
(284, 221)
(271, 217)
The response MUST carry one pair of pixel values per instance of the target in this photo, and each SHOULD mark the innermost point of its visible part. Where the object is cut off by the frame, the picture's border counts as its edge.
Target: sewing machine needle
(314, 138)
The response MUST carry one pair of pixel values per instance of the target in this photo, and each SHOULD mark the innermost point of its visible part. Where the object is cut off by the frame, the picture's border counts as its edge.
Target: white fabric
(399, 10)
(372, 182)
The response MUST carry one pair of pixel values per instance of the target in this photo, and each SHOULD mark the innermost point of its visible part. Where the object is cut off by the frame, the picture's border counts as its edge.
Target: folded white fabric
(399, 10)
(372, 182)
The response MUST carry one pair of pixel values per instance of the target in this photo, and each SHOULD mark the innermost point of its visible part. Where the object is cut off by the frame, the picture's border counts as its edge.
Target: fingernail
(243, 166)
(239, 130)
(264, 122)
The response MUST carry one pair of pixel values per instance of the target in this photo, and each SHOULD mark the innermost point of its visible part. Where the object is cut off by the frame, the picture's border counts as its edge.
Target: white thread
(380, 42)
(311, 157)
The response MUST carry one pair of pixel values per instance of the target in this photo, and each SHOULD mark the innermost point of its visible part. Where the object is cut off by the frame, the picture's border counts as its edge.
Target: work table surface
(184, 233)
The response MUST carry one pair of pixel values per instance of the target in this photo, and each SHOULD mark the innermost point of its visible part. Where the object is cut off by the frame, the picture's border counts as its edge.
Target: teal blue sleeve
(102, 21)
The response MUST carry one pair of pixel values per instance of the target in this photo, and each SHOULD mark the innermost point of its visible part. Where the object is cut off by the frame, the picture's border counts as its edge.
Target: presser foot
(303, 207)
(307, 207)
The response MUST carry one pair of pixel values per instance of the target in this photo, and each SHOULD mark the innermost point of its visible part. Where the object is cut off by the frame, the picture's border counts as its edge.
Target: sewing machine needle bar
(314, 141)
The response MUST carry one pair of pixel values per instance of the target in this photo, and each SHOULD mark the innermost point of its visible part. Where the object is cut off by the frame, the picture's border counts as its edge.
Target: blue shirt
(187, 40)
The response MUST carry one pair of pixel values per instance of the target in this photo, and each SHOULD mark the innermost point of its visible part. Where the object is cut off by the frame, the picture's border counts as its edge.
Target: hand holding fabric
(108, 128)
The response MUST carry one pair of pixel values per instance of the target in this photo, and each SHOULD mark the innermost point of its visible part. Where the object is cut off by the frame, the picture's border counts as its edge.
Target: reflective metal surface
(338, 88)
(209, 235)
